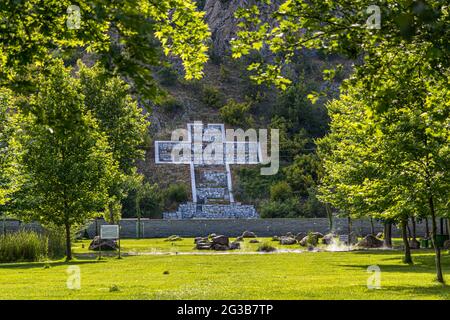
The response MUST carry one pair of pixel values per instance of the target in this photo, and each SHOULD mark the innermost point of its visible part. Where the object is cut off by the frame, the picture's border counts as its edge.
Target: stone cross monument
(209, 154)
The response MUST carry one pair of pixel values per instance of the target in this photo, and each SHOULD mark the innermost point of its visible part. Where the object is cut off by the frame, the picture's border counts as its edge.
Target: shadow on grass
(31, 265)
(422, 263)
(436, 289)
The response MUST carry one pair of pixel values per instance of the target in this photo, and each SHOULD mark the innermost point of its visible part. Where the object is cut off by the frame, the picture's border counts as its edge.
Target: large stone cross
(209, 154)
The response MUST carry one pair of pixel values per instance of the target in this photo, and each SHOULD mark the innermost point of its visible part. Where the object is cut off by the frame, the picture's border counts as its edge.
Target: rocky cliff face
(222, 23)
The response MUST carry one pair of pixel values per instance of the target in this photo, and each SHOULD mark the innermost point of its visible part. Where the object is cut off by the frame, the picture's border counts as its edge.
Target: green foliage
(56, 242)
(22, 246)
(170, 105)
(237, 114)
(280, 191)
(211, 97)
(224, 73)
(303, 173)
(124, 123)
(69, 164)
(387, 155)
(167, 76)
(251, 186)
(339, 26)
(289, 208)
(118, 115)
(294, 106)
(174, 195)
(123, 35)
(144, 200)
(10, 148)
(265, 247)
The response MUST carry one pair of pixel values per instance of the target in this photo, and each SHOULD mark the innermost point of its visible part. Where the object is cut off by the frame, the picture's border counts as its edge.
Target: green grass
(306, 275)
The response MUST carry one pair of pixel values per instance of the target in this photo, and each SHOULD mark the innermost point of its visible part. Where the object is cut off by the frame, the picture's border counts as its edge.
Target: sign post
(110, 232)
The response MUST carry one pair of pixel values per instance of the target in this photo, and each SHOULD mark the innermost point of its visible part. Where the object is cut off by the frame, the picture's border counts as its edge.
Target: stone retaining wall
(159, 228)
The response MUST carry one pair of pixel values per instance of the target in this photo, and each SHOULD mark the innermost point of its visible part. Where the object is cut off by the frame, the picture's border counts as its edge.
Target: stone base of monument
(192, 210)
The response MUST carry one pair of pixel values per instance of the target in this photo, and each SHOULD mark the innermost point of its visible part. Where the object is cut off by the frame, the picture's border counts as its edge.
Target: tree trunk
(437, 250)
(387, 235)
(372, 227)
(413, 222)
(407, 258)
(427, 229)
(68, 243)
(349, 225)
(409, 229)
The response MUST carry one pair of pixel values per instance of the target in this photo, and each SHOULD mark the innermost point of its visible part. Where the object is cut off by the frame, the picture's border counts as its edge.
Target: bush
(211, 96)
(170, 105)
(23, 246)
(175, 194)
(265, 247)
(56, 242)
(236, 114)
(281, 209)
(281, 191)
(168, 76)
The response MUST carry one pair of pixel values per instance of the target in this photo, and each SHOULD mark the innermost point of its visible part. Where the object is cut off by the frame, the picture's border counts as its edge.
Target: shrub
(170, 105)
(168, 76)
(236, 114)
(211, 96)
(56, 242)
(23, 246)
(265, 247)
(280, 191)
(281, 209)
(175, 194)
(224, 74)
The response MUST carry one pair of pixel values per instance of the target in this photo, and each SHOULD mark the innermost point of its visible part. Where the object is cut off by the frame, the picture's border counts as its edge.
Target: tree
(340, 27)
(393, 163)
(10, 148)
(123, 122)
(69, 164)
(122, 34)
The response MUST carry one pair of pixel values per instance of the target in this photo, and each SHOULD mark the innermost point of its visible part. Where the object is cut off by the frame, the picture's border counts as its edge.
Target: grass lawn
(156, 271)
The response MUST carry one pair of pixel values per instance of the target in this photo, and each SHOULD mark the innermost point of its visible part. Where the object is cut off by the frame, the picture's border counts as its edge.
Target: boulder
(380, 235)
(414, 244)
(304, 241)
(287, 240)
(248, 234)
(317, 234)
(300, 236)
(200, 239)
(328, 239)
(104, 244)
(240, 239)
(222, 240)
(203, 246)
(235, 245)
(254, 241)
(289, 235)
(212, 235)
(447, 245)
(275, 238)
(370, 241)
(219, 247)
(174, 238)
(311, 239)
